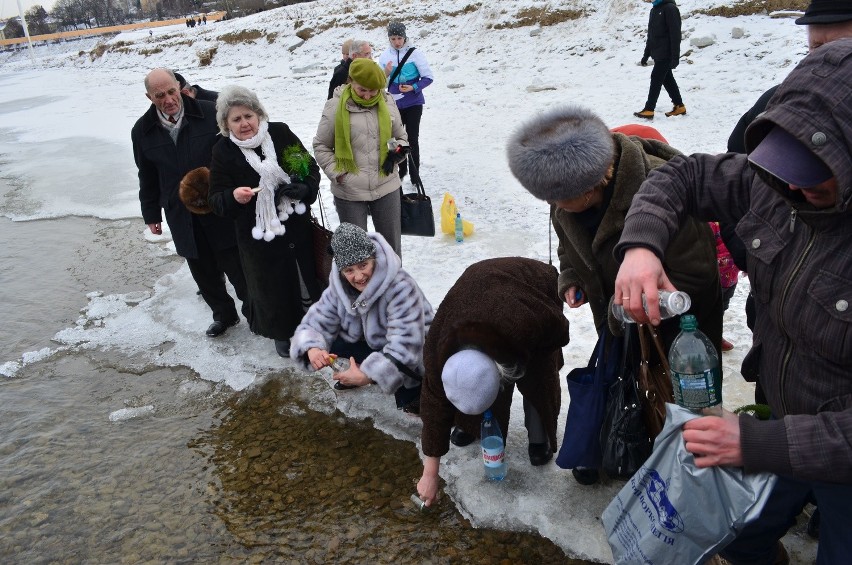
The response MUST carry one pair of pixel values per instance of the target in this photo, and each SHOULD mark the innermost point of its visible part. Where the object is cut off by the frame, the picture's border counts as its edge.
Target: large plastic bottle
(672, 303)
(696, 379)
(459, 228)
(493, 450)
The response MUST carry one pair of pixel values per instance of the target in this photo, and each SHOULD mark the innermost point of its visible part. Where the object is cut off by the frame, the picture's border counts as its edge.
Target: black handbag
(625, 444)
(321, 246)
(416, 210)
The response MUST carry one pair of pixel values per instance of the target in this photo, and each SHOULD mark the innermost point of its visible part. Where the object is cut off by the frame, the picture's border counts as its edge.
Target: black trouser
(411, 120)
(661, 77)
(209, 271)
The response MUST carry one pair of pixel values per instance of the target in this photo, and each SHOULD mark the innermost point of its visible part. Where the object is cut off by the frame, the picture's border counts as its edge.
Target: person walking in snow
(663, 45)
(372, 313)
(408, 74)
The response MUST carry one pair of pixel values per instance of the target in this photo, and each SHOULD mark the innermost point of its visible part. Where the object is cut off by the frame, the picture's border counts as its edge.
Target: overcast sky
(9, 8)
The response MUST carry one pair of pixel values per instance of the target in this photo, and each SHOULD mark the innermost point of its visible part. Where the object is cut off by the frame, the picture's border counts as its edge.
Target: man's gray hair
(231, 96)
(170, 72)
(357, 46)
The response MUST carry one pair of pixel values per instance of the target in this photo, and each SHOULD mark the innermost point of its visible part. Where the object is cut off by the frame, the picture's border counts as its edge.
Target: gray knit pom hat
(396, 28)
(562, 153)
(351, 245)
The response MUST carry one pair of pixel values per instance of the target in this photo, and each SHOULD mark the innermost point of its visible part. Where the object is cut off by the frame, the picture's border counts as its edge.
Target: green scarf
(343, 135)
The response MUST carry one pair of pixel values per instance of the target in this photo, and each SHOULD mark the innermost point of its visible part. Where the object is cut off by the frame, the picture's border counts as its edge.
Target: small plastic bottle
(694, 362)
(671, 304)
(459, 228)
(339, 364)
(493, 450)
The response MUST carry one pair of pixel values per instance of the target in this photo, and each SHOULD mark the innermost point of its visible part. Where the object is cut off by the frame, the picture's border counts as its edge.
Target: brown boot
(678, 110)
(646, 114)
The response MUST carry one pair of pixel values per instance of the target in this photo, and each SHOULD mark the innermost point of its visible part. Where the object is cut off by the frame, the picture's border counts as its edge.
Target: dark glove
(293, 190)
(397, 156)
(644, 61)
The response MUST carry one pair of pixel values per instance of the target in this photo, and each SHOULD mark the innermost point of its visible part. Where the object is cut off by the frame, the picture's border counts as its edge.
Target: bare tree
(37, 22)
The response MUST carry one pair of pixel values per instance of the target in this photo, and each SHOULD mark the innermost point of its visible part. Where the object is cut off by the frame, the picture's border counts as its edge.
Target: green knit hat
(368, 74)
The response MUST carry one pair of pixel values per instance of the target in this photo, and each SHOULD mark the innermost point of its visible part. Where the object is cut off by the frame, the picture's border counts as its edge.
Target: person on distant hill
(663, 45)
(409, 74)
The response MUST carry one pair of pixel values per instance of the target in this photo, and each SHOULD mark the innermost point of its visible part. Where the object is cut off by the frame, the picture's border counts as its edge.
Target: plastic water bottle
(459, 228)
(671, 304)
(696, 379)
(493, 451)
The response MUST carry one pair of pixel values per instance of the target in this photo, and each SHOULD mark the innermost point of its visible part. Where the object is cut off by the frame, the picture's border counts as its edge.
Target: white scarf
(267, 223)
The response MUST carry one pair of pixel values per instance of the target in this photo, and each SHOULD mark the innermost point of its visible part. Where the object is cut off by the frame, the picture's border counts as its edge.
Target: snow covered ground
(66, 137)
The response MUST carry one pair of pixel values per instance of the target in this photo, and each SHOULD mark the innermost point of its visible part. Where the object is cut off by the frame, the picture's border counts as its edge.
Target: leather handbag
(416, 210)
(587, 388)
(625, 443)
(321, 246)
(655, 383)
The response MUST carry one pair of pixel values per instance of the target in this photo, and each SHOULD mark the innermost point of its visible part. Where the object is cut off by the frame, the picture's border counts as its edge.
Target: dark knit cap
(350, 244)
(181, 81)
(368, 74)
(396, 28)
(561, 154)
(826, 12)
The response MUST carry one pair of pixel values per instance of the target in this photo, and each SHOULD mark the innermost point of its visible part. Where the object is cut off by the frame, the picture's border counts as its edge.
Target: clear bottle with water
(493, 448)
(459, 228)
(672, 303)
(694, 362)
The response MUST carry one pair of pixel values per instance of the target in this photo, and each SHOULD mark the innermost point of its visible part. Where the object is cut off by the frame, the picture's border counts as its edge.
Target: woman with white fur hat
(374, 313)
(500, 325)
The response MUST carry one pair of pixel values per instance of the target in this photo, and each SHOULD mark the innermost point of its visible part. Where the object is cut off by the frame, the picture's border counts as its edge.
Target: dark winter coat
(663, 42)
(272, 275)
(799, 265)
(162, 163)
(588, 262)
(339, 76)
(507, 308)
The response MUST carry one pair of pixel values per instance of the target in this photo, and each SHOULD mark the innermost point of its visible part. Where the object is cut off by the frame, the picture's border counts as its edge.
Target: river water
(211, 475)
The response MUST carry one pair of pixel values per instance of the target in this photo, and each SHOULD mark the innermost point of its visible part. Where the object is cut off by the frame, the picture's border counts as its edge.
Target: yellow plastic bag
(448, 217)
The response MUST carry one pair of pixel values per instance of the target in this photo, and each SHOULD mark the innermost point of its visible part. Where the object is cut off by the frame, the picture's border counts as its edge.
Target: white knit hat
(471, 381)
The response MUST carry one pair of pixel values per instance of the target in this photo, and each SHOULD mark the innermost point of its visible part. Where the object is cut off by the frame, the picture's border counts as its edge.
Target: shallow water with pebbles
(207, 475)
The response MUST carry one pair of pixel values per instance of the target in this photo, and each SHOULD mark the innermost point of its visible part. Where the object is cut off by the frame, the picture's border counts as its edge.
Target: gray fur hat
(561, 153)
(350, 245)
(396, 28)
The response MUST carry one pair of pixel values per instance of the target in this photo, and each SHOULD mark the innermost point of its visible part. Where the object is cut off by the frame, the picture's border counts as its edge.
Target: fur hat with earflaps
(194, 188)
(562, 153)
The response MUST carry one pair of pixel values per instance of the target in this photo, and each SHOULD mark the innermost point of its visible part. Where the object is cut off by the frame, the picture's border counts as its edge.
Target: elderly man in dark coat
(501, 324)
(175, 136)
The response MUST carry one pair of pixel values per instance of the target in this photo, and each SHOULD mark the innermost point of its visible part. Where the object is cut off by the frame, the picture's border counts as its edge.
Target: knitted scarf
(345, 160)
(267, 222)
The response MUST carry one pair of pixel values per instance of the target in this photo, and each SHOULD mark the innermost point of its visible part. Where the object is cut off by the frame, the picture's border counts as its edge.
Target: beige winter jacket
(368, 184)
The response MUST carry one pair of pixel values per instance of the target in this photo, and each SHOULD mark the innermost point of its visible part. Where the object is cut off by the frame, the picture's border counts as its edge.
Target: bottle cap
(486, 415)
(688, 322)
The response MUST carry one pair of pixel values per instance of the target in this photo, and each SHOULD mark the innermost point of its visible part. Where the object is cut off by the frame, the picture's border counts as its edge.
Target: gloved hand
(644, 61)
(398, 155)
(293, 190)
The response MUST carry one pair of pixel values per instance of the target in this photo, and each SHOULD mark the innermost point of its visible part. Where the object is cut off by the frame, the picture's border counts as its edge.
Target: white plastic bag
(671, 511)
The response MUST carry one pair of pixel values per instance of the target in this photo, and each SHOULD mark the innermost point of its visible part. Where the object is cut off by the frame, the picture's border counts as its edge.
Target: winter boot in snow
(678, 110)
(645, 114)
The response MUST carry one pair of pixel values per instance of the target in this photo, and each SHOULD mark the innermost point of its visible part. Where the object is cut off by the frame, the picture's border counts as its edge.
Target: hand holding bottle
(574, 297)
(640, 273)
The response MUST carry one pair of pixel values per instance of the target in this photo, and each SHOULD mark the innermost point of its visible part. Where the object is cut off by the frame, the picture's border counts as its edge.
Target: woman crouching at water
(373, 313)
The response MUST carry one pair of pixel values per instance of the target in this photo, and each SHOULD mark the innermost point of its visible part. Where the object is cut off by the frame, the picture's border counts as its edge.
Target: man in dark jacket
(663, 45)
(790, 198)
(175, 136)
(480, 345)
